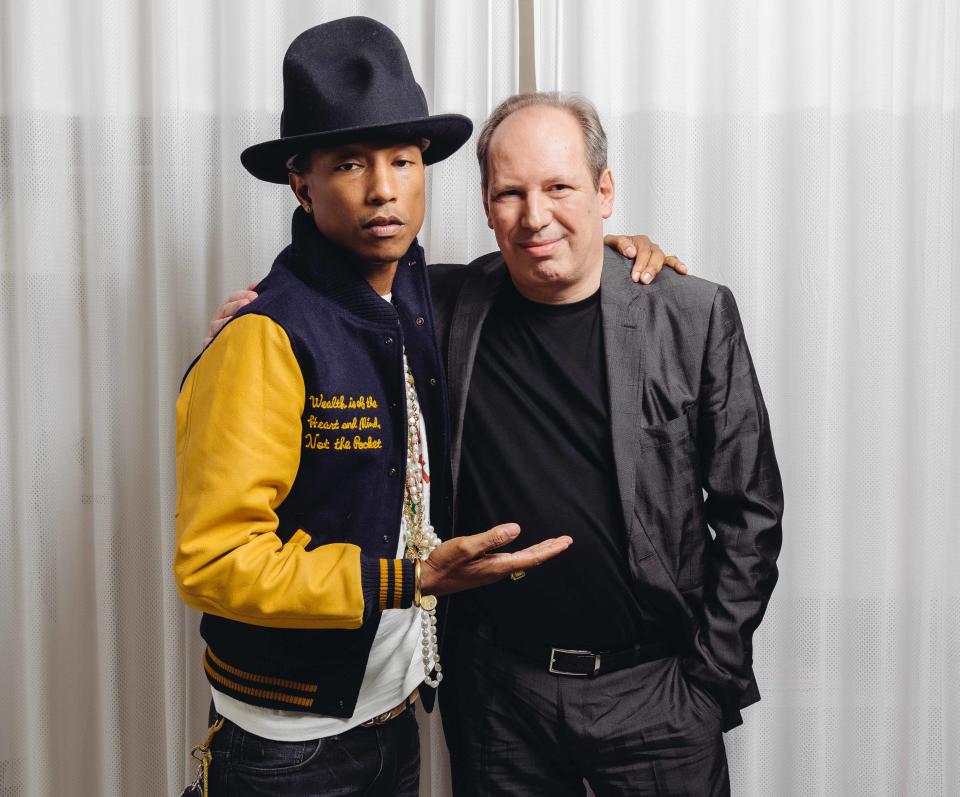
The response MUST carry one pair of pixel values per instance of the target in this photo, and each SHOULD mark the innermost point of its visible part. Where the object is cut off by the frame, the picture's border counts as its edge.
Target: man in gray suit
(584, 404)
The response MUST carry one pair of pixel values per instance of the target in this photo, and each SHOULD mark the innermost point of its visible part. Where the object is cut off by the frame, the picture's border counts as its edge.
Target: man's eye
(507, 194)
(347, 167)
(559, 187)
(403, 162)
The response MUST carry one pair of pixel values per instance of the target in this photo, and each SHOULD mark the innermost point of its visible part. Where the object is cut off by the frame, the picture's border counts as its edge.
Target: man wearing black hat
(312, 449)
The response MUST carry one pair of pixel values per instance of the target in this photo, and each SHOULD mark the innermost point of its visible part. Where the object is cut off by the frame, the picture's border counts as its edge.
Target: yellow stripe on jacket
(238, 451)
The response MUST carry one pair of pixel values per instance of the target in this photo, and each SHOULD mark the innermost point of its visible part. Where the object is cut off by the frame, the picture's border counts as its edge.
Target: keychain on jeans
(199, 787)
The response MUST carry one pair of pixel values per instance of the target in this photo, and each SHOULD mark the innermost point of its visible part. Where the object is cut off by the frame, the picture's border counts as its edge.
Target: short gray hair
(578, 106)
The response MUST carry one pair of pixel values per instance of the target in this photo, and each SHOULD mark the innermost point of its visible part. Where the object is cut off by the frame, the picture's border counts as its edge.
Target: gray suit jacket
(687, 418)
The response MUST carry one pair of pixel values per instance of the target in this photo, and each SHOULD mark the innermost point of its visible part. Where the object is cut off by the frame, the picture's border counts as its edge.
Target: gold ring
(516, 575)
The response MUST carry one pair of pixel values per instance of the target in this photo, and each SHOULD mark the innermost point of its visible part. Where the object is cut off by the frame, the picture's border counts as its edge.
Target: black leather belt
(583, 663)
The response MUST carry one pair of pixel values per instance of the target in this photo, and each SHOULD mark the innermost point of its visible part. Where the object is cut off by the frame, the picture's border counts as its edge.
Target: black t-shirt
(537, 451)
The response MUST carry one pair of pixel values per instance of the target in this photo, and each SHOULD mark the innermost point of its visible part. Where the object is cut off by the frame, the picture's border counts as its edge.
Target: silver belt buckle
(555, 651)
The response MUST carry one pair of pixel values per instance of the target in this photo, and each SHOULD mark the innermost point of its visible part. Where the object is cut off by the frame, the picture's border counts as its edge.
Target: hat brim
(446, 133)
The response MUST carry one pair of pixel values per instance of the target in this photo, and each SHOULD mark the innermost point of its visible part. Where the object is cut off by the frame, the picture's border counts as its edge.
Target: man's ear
(606, 191)
(486, 206)
(299, 187)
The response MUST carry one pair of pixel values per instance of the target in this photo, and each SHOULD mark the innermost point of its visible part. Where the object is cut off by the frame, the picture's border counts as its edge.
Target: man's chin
(374, 258)
(545, 271)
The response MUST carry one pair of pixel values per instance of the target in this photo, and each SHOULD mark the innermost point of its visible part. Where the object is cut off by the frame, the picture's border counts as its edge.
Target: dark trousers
(644, 730)
(379, 760)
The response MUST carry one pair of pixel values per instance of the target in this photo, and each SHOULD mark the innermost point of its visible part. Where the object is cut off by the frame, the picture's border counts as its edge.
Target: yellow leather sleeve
(238, 451)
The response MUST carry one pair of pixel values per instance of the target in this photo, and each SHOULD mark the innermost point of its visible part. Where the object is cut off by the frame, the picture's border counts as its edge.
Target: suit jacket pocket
(669, 499)
(666, 457)
(666, 433)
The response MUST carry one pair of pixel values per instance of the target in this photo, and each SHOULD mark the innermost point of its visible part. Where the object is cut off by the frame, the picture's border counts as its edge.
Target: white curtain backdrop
(805, 153)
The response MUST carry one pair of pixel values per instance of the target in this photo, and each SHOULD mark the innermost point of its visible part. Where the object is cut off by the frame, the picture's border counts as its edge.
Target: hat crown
(349, 80)
(348, 73)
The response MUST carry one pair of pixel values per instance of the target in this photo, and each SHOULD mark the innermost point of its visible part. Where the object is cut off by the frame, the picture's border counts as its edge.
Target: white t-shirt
(394, 669)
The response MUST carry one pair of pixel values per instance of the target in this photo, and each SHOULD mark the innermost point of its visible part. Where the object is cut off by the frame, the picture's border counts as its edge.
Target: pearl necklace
(419, 536)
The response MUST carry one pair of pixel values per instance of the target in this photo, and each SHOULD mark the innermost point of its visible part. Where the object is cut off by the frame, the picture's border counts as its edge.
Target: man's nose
(382, 186)
(535, 213)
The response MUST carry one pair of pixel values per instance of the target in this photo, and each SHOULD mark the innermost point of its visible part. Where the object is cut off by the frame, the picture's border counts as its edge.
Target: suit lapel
(627, 336)
(474, 302)
(621, 312)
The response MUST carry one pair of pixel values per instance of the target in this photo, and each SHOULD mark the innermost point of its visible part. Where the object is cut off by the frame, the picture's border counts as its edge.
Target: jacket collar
(326, 267)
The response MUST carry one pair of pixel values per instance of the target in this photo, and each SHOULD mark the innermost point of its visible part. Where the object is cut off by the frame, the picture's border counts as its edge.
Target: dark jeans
(644, 730)
(380, 760)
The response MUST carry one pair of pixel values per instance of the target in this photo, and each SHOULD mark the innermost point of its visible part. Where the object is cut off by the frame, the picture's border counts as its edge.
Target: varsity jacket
(291, 452)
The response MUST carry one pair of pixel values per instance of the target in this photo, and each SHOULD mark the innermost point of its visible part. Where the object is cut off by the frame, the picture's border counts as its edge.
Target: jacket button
(394, 405)
(388, 340)
(392, 472)
(386, 538)
(411, 263)
(420, 321)
(433, 381)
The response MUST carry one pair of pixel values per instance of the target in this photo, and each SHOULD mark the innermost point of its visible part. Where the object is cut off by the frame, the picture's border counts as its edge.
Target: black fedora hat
(346, 81)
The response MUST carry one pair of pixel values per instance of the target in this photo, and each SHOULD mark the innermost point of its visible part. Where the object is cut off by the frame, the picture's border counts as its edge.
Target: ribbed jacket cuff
(387, 584)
